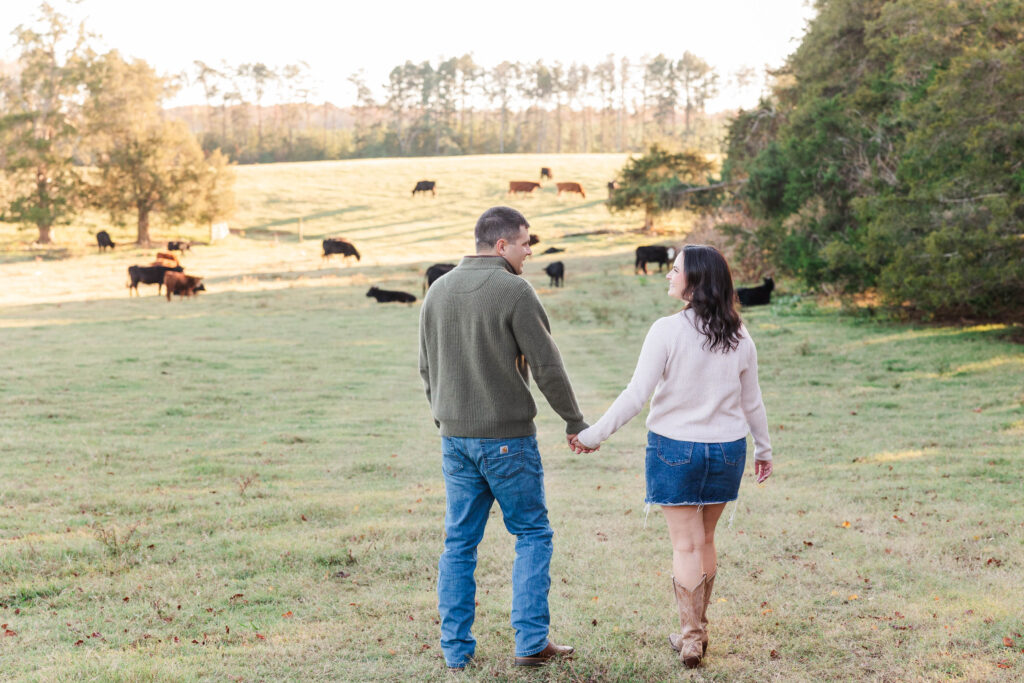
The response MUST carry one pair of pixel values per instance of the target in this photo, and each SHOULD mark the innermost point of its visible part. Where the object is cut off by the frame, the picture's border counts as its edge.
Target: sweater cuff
(575, 427)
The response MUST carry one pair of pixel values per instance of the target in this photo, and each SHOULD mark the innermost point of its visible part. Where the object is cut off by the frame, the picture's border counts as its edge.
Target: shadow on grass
(308, 217)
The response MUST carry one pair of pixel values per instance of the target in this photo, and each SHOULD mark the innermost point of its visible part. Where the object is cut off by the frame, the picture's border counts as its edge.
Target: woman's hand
(577, 446)
(763, 470)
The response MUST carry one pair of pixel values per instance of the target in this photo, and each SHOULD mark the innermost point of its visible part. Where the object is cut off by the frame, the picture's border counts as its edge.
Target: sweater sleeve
(649, 369)
(753, 406)
(533, 335)
(424, 362)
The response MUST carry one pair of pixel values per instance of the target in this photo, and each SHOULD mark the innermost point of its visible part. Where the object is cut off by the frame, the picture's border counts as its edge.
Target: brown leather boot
(674, 638)
(550, 651)
(689, 643)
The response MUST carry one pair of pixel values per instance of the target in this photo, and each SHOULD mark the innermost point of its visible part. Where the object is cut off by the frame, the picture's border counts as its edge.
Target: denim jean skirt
(693, 473)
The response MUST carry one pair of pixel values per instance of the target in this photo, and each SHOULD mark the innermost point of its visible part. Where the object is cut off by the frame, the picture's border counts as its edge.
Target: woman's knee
(688, 544)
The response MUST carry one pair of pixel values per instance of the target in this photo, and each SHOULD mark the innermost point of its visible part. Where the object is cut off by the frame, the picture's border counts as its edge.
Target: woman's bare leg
(686, 531)
(709, 555)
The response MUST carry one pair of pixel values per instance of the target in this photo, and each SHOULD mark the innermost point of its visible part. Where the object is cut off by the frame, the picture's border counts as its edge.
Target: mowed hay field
(247, 486)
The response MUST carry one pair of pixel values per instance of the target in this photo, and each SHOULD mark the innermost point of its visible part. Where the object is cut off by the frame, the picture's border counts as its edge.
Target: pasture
(246, 486)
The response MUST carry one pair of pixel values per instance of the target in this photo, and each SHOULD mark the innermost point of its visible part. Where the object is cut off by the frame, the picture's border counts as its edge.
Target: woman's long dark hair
(711, 295)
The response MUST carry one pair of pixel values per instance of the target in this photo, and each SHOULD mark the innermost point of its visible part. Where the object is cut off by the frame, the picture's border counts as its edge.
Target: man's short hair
(498, 222)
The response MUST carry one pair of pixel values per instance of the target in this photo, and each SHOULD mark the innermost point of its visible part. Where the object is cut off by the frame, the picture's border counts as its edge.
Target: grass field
(247, 486)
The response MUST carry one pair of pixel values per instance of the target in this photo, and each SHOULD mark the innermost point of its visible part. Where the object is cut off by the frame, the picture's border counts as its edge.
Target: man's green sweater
(482, 331)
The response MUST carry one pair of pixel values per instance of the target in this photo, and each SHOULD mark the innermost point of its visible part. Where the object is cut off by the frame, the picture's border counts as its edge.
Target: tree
(40, 127)
(146, 165)
(653, 181)
(500, 82)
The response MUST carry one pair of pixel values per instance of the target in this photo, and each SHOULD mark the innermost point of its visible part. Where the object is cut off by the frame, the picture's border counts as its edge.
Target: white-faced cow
(653, 254)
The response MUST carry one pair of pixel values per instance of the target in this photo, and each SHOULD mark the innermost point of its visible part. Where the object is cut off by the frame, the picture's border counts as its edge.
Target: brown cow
(526, 186)
(571, 187)
(166, 260)
(182, 285)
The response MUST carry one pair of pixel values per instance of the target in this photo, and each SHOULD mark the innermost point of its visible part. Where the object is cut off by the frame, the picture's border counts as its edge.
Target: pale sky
(337, 38)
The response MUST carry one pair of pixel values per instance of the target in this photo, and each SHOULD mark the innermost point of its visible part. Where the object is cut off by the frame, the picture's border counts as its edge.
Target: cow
(571, 187)
(337, 246)
(384, 296)
(435, 271)
(181, 284)
(653, 254)
(166, 260)
(526, 186)
(553, 250)
(148, 275)
(756, 296)
(545, 172)
(533, 239)
(555, 271)
(425, 186)
(612, 186)
(103, 240)
(180, 245)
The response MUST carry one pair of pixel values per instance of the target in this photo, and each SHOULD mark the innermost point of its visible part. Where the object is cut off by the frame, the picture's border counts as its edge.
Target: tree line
(82, 130)
(890, 156)
(457, 106)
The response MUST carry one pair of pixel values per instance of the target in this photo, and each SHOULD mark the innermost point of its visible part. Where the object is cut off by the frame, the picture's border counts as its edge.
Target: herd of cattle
(522, 186)
(167, 272)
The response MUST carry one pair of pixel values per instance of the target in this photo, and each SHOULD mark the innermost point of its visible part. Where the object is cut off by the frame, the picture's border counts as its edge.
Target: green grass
(247, 486)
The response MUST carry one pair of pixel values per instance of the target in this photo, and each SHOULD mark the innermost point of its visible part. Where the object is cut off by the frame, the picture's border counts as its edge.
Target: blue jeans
(476, 473)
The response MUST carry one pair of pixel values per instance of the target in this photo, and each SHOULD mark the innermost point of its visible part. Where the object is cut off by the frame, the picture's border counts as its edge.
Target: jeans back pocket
(734, 452)
(504, 459)
(672, 452)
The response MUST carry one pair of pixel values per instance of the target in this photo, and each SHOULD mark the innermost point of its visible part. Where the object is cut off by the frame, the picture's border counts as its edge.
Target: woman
(702, 367)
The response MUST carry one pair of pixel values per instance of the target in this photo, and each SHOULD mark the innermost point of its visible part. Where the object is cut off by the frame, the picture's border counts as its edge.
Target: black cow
(148, 275)
(553, 250)
(653, 254)
(555, 271)
(435, 271)
(612, 186)
(545, 172)
(533, 239)
(103, 240)
(425, 186)
(336, 246)
(756, 296)
(384, 296)
(181, 245)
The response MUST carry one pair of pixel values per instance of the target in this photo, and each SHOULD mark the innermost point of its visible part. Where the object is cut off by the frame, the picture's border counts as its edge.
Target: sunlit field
(246, 486)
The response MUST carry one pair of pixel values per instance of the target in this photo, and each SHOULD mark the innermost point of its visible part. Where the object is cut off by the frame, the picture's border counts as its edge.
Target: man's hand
(577, 446)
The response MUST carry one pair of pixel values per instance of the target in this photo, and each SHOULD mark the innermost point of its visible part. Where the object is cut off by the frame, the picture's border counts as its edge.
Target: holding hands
(577, 446)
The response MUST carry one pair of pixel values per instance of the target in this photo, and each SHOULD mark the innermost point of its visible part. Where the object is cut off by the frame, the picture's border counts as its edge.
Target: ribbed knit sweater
(483, 331)
(699, 395)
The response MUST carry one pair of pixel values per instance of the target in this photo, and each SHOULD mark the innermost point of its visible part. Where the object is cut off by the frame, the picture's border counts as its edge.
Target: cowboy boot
(709, 583)
(691, 605)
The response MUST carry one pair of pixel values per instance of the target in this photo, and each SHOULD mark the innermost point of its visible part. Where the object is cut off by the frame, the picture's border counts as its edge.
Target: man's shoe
(550, 651)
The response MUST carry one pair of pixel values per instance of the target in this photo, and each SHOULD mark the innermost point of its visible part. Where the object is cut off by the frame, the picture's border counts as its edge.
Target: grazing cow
(553, 250)
(103, 240)
(384, 296)
(653, 254)
(555, 271)
(756, 296)
(181, 284)
(526, 186)
(612, 186)
(571, 187)
(435, 271)
(545, 172)
(181, 245)
(533, 239)
(336, 246)
(148, 275)
(425, 186)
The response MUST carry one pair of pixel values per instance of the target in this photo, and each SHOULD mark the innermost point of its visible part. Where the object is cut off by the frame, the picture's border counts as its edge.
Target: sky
(337, 39)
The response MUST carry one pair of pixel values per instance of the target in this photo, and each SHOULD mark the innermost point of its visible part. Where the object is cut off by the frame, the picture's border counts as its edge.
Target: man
(482, 330)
